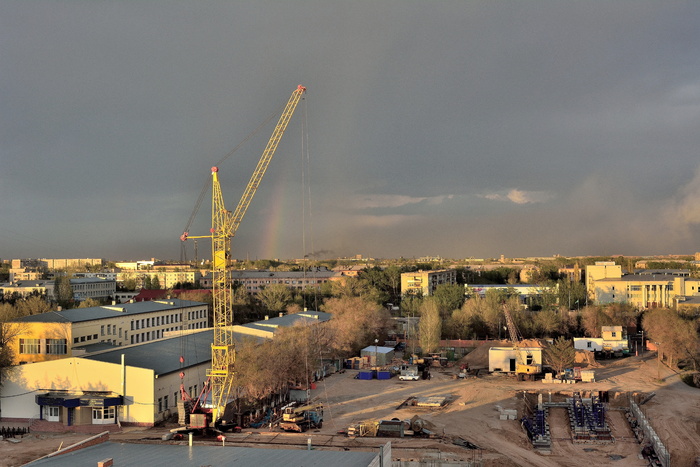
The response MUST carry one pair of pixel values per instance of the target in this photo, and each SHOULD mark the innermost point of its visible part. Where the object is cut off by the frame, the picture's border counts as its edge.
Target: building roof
(380, 349)
(240, 274)
(77, 315)
(137, 455)
(163, 355)
(290, 319)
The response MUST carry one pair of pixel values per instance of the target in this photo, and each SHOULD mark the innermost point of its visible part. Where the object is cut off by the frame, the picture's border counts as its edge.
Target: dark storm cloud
(458, 128)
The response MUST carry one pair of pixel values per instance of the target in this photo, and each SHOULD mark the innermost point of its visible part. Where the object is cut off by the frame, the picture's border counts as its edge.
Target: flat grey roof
(162, 356)
(194, 346)
(77, 315)
(138, 455)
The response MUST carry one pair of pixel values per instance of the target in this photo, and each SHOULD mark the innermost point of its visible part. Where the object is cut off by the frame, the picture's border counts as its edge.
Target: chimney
(281, 314)
(266, 317)
(59, 308)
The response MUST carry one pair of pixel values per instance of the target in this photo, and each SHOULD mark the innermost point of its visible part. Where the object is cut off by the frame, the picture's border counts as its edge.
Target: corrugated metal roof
(293, 318)
(138, 455)
(77, 315)
(162, 356)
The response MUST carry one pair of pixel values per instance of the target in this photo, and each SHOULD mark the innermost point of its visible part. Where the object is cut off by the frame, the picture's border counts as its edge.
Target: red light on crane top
(214, 169)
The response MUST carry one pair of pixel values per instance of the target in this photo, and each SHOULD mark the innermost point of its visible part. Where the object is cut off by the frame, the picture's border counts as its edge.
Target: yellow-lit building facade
(61, 334)
(136, 385)
(425, 282)
(645, 290)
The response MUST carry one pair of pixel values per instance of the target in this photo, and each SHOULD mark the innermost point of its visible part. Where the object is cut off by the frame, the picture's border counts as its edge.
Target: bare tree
(356, 322)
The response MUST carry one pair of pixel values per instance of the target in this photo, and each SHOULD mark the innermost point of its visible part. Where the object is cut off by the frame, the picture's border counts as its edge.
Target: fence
(661, 452)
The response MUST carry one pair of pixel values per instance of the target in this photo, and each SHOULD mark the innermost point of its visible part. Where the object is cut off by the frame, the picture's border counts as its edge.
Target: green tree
(547, 322)
(155, 283)
(560, 355)
(275, 297)
(62, 290)
(429, 326)
(147, 282)
(448, 297)
(572, 295)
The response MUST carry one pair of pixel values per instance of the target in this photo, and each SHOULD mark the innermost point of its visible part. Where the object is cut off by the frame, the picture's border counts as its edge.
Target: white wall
(24, 382)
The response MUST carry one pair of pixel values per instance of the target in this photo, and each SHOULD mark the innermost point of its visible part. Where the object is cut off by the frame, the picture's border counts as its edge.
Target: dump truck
(302, 418)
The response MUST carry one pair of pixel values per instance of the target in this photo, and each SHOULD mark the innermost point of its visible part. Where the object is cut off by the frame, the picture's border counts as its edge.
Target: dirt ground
(472, 415)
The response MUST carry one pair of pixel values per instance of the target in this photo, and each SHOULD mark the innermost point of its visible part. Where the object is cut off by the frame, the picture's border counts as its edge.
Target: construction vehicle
(525, 367)
(302, 418)
(223, 227)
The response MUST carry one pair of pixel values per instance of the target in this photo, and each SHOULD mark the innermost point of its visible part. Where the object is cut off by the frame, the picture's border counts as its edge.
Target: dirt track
(473, 415)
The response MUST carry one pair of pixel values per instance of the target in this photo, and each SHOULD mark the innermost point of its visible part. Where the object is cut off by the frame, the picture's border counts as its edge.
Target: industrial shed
(378, 355)
(503, 359)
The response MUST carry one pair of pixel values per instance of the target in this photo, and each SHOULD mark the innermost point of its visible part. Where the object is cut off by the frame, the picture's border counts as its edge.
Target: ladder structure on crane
(224, 225)
(525, 368)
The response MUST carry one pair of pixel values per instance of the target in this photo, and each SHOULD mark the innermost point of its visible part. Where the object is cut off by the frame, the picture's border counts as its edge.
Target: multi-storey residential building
(601, 270)
(425, 282)
(57, 334)
(54, 264)
(83, 288)
(256, 280)
(526, 292)
(166, 279)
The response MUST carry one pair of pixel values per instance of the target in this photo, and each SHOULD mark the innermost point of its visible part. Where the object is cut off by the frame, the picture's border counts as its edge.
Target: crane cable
(205, 188)
(306, 202)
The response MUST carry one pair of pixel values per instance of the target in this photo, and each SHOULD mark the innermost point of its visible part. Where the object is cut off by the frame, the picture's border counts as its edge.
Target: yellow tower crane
(223, 227)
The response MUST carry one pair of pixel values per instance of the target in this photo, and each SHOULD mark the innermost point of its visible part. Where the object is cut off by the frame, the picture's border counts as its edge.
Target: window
(102, 330)
(29, 346)
(590, 344)
(75, 340)
(165, 402)
(614, 334)
(56, 347)
(103, 415)
(160, 404)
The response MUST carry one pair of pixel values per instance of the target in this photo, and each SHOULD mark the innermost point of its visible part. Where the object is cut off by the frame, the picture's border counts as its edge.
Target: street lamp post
(376, 352)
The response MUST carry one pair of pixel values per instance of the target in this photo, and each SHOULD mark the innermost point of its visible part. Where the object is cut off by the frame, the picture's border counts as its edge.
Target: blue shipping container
(384, 375)
(364, 375)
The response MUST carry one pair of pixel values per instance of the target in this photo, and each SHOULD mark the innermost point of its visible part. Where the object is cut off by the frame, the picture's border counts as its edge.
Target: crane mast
(223, 227)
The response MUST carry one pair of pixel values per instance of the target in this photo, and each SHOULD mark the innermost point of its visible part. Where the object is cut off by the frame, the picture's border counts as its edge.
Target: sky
(461, 129)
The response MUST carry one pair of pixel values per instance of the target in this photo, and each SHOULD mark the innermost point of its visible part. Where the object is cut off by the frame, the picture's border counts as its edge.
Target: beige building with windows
(644, 289)
(69, 333)
(425, 282)
(256, 280)
(135, 385)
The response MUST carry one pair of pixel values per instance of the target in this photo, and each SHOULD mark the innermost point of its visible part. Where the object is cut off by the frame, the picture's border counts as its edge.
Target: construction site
(627, 417)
